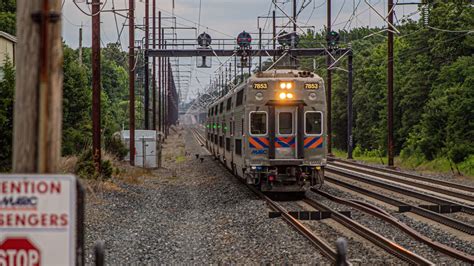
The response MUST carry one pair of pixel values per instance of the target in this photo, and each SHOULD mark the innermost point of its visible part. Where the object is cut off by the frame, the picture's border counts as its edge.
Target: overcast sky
(222, 19)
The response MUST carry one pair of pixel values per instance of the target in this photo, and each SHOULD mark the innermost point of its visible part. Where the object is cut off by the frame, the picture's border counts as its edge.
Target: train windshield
(314, 123)
(258, 123)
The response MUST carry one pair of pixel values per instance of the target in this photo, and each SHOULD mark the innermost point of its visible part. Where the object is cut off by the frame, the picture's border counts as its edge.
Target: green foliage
(85, 167)
(77, 130)
(116, 147)
(76, 105)
(7, 22)
(7, 16)
(433, 87)
(7, 87)
(447, 126)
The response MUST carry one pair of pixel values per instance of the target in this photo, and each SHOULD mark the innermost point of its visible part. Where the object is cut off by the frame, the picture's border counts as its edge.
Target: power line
(87, 14)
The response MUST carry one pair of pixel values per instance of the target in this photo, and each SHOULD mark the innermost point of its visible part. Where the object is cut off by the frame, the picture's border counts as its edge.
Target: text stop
(19, 252)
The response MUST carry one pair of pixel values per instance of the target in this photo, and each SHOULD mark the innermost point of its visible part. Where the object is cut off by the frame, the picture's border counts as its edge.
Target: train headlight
(282, 96)
(312, 96)
(259, 96)
(286, 85)
(289, 95)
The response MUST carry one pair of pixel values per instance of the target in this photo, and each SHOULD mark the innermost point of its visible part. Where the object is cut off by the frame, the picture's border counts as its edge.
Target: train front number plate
(311, 86)
(260, 86)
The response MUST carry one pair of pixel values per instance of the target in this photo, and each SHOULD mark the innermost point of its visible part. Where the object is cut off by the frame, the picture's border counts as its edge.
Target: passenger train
(271, 130)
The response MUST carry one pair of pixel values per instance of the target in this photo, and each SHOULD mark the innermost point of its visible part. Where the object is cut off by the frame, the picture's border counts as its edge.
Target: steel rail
(375, 211)
(411, 176)
(458, 225)
(326, 250)
(363, 178)
(315, 240)
(374, 237)
(393, 177)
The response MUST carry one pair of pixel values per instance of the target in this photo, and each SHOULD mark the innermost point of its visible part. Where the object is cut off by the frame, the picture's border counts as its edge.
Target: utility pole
(154, 66)
(350, 138)
(260, 48)
(293, 36)
(160, 75)
(38, 91)
(96, 147)
(80, 45)
(147, 62)
(390, 83)
(131, 76)
(167, 91)
(329, 83)
(274, 33)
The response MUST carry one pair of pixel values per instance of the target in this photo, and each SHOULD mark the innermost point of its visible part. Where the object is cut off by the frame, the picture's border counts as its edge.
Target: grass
(438, 165)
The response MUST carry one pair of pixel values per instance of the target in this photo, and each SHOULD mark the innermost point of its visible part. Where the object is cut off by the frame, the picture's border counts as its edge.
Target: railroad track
(319, 243)
(198, 136)
(443, 183)
(430, 184)
(374, 237)
(385, 216)
(461, 226)
(356, 175)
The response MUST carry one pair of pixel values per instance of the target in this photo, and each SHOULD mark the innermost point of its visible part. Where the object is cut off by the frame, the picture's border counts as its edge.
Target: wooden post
(38, 93)
(96, 87)
(131, 77)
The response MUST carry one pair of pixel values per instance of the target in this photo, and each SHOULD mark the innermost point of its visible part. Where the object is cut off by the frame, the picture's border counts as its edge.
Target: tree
(76, 105)
(7, 88)
(7, 16)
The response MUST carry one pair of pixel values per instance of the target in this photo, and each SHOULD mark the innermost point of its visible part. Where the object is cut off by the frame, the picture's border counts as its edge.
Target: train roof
(274, 73)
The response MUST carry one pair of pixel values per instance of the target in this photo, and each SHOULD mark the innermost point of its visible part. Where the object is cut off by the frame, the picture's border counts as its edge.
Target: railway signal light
(285, 39)
(204, 40)
(244, 39)
(333, 39)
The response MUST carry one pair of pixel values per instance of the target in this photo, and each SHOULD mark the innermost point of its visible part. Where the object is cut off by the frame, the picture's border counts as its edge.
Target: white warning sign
(37, 219)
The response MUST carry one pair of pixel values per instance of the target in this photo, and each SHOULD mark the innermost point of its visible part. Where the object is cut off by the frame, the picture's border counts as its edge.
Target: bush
(85, 167)
(116, 147)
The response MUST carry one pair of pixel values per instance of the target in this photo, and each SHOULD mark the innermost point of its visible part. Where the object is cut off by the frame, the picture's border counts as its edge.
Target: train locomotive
(270, 130)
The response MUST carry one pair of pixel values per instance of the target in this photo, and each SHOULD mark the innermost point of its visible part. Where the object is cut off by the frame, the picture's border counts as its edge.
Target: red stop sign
(19, 252)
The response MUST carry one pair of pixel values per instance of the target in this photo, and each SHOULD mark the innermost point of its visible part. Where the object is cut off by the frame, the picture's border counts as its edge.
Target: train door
(285, 132)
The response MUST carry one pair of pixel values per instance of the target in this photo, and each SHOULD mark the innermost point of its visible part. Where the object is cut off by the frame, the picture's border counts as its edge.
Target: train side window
(229, 104)
(258, 123)
(240, 98)
(227, 144)
(313, 123)
(285, 123)
(238, 146)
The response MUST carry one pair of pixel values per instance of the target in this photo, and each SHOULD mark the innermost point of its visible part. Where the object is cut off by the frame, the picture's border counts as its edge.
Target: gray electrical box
(147, 147)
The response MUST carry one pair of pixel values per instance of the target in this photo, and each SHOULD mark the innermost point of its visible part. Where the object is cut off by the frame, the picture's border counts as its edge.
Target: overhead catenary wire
(90, 15)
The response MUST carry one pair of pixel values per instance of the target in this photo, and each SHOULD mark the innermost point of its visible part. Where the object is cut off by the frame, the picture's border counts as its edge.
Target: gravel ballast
(190, 212)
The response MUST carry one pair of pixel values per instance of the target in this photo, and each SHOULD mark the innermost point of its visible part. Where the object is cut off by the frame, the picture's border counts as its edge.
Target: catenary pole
(154, 68)
(390, 83)
(350, 138)
(329, 83)
(131, 66)
(96, 86)
(147, 66)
